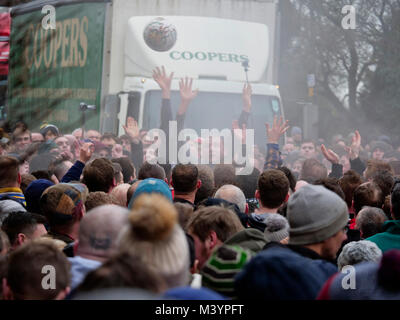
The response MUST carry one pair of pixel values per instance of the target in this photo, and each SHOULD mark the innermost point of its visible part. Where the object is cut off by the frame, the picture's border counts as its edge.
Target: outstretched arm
(132, 130)
(274, 160)
(246, 97)
(354, 154)
(187, 95)
(164, 81)
(74, 173)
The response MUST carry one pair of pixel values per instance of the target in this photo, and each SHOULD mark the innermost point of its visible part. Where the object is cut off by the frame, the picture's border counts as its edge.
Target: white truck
(214, 37)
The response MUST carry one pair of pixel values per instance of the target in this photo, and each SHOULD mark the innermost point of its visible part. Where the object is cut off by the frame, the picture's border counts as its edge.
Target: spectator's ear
(198, 186)
(246, 211)
(7, 293)
(257, 194)
(287, 198)
(211, 241)
(21, 238)
(19, 179)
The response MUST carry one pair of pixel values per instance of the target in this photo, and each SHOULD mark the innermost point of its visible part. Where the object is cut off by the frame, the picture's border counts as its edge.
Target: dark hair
(184, 178)
(109, 135)
(273, 187)
(121, 271)
(24, 274)
(127, 168)
(349, 182)
(4, 241)
(367, 194)
(248, 183)
(42, 174)
(224, 174)
(292, 180)
(9, 168)
(148, 170)
(223, 221)
(385, 180)
(331, 184)
(206, 175)
(99, 175)
(21, 222)
(313, 170)
(395, 201)
(26, 179)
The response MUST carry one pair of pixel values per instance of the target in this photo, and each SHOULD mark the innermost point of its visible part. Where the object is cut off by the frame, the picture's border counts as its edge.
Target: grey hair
(359, 251)
(232, 194)
(370, 220)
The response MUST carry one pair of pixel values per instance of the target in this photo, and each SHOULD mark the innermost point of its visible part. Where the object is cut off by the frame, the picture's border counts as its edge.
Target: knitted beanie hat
(154, 235)
(149, 186)
(49, 127)
(277, 228)
(33, 193)
(359, 251)
(224, 264)
(315, 214)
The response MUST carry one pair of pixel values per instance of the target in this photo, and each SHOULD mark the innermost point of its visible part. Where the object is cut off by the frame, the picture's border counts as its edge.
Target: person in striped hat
(224, 264)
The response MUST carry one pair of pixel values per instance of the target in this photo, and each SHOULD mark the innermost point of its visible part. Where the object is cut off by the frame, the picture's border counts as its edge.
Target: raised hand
(246, 96)
(187, 94)
(132, 128)
(329, 155)
(277, 130)
(86, 152)
(354, 149)
(164, 81)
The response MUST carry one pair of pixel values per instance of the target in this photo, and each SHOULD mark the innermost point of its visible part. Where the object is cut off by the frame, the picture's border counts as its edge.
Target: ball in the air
(160, 35)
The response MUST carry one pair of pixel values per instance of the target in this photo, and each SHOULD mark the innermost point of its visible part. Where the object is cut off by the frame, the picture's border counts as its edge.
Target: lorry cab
(212, 52)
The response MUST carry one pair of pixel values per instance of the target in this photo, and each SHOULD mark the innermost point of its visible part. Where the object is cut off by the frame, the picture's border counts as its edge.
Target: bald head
(99, 230)
(232, 194)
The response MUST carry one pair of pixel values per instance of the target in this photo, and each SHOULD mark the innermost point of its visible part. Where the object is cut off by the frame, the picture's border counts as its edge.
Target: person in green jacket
(390, 237)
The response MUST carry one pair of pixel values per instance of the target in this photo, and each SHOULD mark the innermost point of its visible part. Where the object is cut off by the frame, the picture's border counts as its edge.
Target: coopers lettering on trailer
(66, 46)
(210, 56)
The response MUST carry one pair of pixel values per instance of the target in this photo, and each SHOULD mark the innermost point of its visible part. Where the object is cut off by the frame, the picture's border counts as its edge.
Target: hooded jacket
(389, 238)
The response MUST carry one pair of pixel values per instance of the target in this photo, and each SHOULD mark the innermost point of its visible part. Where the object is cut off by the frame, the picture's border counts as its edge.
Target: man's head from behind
(98, 231)
(37, 270)
(317, 219)
(210, 227)
(99, 175)
(185, 179)
(148, 170)
(232, 194)
(9, 176)
(273, 188)
(64, 204)
(369, 221)
(313, 170)
(367, 194)
(21, 227)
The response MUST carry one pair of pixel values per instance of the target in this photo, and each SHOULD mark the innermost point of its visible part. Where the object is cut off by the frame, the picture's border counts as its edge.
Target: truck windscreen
(211, 110)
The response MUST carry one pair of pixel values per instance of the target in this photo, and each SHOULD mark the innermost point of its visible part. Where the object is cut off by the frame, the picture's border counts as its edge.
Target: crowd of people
(94, 208)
